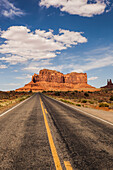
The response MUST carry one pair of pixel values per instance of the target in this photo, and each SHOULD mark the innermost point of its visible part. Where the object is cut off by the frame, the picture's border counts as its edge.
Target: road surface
(42, 133)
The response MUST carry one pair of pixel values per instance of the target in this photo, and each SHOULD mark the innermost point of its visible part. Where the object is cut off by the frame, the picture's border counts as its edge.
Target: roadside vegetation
(102, 99)
(9, 99)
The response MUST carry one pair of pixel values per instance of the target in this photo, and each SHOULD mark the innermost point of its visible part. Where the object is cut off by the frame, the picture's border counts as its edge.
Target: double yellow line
(52, 145)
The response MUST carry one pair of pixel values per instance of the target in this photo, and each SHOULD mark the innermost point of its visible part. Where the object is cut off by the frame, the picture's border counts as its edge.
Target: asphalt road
(42, 133)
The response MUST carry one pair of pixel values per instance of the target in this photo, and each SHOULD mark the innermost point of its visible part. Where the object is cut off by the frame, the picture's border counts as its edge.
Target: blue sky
(62, 35)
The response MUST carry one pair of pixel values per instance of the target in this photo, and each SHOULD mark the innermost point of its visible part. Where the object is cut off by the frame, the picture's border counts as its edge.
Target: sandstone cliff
(55, 76)
(54, 80)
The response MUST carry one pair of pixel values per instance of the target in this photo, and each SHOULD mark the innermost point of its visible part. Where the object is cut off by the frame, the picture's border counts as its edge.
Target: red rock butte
(109, 84)
(53, 80)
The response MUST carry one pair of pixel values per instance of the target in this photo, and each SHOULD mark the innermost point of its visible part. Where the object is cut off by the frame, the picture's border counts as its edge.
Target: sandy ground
(3, 109)
(106, 115)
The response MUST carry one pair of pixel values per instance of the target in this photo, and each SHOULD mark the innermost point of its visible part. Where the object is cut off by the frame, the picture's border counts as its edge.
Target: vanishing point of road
(45, 134)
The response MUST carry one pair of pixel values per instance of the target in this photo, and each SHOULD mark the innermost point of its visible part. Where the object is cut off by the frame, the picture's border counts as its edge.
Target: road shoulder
(105, 115)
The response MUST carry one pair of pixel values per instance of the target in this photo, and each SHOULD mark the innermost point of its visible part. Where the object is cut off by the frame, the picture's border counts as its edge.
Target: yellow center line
(52, 146)
(68, 165)
(46, 111)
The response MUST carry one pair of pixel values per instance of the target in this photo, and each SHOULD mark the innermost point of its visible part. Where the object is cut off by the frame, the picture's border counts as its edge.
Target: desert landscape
(71, 88)
(102, 99)
(54, 80)
(56, 89)
(11, 98)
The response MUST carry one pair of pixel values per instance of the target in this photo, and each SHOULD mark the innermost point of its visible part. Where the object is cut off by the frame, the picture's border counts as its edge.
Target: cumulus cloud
(3, 66)
(92, 78)
(14, 59)
(86, 8)
(21, 45)
(9, 10)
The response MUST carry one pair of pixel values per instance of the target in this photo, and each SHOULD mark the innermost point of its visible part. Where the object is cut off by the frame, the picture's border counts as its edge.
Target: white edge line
(14, 107)
(105, 121)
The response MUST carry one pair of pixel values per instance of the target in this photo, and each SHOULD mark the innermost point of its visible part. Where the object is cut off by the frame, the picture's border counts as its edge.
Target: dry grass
(102, 99)
(9, 99)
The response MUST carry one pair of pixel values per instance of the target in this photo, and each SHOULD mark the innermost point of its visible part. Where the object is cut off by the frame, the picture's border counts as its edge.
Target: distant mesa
(109, 84)
(53, 80)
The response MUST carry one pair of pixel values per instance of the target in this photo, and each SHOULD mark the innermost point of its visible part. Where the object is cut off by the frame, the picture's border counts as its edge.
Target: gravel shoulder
(106, 115)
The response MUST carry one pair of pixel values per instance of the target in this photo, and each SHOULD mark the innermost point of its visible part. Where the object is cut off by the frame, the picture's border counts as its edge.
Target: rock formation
(109, 84)
(54, 80)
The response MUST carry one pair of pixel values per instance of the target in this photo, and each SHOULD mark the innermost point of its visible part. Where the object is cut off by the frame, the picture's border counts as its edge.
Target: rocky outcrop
(54, 80)
(76, 78)
(48, 76)
(109, 84)
(55, 76)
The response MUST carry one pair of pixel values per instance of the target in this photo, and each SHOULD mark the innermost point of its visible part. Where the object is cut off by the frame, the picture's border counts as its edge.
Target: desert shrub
(78, 105)
(57, 93)
(111, 98)
(90, 92)
(76, 91)
(86, 94)
(21, 99)
(100, 101)
(44, 91)
(79, 100)
(91, 102)
(84, 101)
(103, 105)
(66, 101)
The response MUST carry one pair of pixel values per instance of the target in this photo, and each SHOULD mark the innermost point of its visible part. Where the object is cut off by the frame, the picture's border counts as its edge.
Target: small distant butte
(109, 84)
(48, 80)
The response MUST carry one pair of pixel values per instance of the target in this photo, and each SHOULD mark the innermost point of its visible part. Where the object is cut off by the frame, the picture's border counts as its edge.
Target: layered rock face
(48, 76)
(76, 78)
(54, 76)
(54, 80)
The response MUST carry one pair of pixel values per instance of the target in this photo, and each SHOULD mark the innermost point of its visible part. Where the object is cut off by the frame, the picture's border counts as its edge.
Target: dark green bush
(76, 91)
(86, 94)
(103, 105)
(91, 102)
(44, 91)
(78, 105)
(57, 93)
(84, 101)
(111, 98)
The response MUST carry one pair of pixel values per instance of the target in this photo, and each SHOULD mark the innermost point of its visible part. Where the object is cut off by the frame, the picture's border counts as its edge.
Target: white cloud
(35, 69)
(9, 10)
(92, 78)
(94, 63)
(86, 8)
(42, 64)
(22, 45)
(3, 66)
(14, 59)
(15, 71)
(25, 76)
(11, 84)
